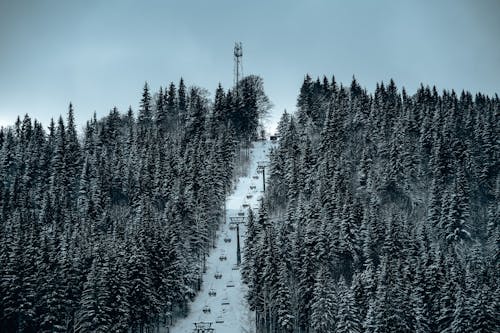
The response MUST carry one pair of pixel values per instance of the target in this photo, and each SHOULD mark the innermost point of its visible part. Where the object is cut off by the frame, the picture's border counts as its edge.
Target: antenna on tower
(238, 64)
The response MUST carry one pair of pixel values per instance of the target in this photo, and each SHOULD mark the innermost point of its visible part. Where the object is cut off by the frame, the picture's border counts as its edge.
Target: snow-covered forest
(382, 214)
(109, 232)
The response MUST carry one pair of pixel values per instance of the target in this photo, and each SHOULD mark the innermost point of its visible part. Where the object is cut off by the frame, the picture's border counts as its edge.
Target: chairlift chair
(212, 293)
(224, 301)
(230, 284)
(232, 226)
(222, 257)
(219, 319)
(206, 309)
(203, 327)
(235, 267)
(218, 275)
(227, 239)
(241, 213)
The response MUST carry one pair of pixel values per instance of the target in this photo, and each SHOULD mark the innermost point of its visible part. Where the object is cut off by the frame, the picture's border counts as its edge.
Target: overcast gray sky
(98, 54)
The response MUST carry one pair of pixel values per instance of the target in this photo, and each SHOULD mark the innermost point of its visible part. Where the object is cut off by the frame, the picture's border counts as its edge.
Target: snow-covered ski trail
(229, 312)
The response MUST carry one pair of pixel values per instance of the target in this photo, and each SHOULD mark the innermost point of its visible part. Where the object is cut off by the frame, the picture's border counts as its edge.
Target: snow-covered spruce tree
(249, 248)
(348, 313)
(325, 303)
(93, 314)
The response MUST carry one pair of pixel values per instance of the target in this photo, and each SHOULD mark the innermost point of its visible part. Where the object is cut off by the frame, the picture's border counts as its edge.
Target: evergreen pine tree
(348, 314)
(324, 305)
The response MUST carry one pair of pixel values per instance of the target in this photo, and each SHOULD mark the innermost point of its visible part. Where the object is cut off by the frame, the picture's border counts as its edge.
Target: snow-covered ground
(235, 316)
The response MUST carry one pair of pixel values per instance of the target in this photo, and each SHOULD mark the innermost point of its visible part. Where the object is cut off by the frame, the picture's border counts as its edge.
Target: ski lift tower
(261, 167)
(237, 220)
(238, 64)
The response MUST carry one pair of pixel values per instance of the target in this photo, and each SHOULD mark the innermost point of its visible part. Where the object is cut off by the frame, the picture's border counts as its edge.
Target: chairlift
(219, 319)
(249, 196)
(224, 301)
(245, 205)
(235, 267)
(222, 257)
(203, 327)
(227, 239)
(212, 293)
(206, 309)
(253, 187)
(255, 177)
(230, 284)
(232, 226)
(241, 213)
(218, 275)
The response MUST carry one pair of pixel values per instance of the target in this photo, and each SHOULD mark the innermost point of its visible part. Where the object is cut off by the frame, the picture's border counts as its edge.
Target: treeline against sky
(381, 214)
(109, 232)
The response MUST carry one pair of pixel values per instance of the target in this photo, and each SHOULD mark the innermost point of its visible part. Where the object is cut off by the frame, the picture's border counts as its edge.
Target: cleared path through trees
(221, 301)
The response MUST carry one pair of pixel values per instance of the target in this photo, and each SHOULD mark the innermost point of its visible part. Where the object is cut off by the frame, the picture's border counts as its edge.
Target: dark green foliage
(247, 106)
(349, 320)
(389, 205)
(325, 303)
(107, 232)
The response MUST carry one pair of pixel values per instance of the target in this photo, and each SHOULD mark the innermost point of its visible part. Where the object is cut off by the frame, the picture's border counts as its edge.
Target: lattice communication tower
(238, 64)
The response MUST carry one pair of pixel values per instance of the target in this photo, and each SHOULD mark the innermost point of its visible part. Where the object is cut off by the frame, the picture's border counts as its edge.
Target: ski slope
(235, 316)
